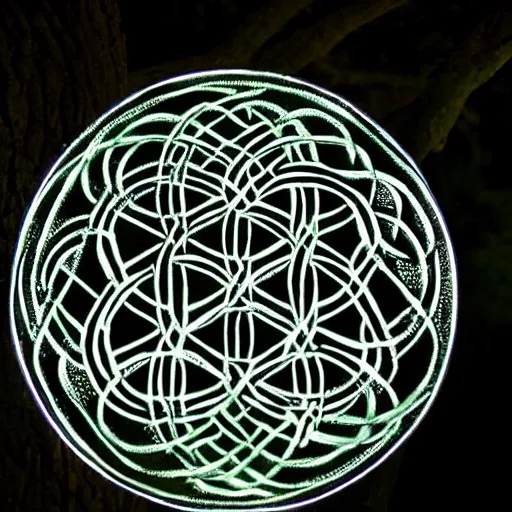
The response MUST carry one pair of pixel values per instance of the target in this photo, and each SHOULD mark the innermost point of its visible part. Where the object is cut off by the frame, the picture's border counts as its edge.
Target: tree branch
(318, 39)
(236, 52)
(472, 63)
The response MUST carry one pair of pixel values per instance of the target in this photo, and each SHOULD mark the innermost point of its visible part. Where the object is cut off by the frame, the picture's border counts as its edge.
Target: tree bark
(61, 65)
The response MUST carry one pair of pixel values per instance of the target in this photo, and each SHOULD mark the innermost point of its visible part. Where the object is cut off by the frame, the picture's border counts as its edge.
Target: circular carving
(233, 291)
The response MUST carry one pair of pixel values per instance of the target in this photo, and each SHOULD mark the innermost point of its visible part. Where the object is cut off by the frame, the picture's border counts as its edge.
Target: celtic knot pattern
(238, 288)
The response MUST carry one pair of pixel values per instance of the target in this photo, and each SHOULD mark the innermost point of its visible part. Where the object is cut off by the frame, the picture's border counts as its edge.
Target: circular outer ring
(328, 486)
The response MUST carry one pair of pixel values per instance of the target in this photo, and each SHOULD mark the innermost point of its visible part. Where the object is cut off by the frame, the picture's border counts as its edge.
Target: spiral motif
(226, 300)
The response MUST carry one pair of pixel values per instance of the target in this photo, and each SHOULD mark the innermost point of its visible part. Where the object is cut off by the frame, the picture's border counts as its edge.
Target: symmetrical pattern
(233, 291)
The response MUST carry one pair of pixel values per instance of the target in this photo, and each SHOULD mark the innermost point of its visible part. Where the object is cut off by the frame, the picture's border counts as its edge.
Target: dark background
(435, 73)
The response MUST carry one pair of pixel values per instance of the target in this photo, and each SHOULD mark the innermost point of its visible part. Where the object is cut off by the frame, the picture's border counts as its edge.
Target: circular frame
(393, 152)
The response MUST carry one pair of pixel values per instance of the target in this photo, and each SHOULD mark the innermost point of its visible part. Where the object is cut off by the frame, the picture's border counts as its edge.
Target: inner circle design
(233, 290)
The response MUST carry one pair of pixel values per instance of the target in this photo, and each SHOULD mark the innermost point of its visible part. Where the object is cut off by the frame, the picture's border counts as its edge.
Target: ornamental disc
(233, 291)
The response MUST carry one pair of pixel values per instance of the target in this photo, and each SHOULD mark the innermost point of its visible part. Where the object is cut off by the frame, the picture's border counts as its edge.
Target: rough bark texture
(472, 63)
(61, 65)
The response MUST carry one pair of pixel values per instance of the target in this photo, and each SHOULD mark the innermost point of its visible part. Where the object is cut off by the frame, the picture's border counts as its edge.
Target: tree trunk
(61, 65)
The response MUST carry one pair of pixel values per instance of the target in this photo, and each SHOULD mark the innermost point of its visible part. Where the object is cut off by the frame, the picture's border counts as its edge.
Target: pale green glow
(225, 185)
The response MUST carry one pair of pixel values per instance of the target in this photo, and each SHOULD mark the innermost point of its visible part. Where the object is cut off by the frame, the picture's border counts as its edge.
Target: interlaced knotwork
(227, 287)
